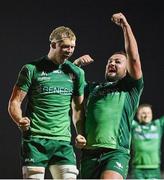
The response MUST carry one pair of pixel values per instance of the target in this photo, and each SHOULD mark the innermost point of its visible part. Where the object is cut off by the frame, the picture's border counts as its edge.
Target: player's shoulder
(34, 63)
(135, 122)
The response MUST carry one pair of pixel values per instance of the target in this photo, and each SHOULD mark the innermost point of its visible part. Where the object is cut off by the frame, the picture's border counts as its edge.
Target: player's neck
(55, 59)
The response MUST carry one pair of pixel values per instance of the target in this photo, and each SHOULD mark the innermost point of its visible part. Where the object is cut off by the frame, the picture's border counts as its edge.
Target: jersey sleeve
(133, 89)
(80, 83)
(24, 79)
(79, 77)
(162, 123)
(134, 122)
(139, 84)
(131, 83)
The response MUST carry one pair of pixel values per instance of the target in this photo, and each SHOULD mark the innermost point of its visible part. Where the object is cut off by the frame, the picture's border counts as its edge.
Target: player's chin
(111, 77)
(111, 74)
(79, 146)
(66, 56)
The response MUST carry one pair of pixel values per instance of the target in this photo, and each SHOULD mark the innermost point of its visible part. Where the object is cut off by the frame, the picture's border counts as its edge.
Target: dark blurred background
(24, 31)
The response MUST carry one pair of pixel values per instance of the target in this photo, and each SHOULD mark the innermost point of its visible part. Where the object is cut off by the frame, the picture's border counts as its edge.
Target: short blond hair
(60, 33)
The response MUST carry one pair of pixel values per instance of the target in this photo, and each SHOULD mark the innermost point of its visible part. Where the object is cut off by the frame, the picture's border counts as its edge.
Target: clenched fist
(119, 19)
(24, 123)
(80, 141)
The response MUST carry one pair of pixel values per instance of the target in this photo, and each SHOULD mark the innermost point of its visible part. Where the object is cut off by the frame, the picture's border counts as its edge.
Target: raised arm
(14, 108)
(131, 48)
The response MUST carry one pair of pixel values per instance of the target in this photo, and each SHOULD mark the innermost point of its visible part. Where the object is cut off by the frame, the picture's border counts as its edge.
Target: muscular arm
(78, 113)
(14, 108)
(78, 119)
(131, 47)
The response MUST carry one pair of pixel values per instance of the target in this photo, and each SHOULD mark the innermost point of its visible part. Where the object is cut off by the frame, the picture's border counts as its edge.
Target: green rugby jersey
(146, 143)
(50, 88)
(110, 110)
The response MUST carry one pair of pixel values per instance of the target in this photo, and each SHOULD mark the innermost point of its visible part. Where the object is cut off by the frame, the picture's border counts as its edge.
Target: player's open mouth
(112, 70)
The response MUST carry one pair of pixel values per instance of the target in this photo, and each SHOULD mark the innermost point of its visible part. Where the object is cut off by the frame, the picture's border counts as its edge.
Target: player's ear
(53, 45)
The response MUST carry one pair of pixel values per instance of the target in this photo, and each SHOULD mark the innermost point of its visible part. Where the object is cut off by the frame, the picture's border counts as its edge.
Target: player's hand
(24, 123)
(119, 19)
(83, 60)
(80, 141)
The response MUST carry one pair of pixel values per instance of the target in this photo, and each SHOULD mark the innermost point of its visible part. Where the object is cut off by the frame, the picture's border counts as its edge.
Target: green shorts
(138, 173)
(94, 162)
(45, 152)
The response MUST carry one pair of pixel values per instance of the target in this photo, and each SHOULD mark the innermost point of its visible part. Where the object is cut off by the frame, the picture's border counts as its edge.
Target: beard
(110, 78)
(114, 77)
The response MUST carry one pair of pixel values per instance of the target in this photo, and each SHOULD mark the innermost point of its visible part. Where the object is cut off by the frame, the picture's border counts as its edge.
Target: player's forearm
(79, 125)
(78, 120)
(14, 109)
(131, 46)
(78, 114)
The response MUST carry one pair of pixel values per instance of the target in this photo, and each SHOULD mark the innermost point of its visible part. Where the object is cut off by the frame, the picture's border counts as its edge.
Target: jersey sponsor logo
(102, 92)
(147, 136)
(141, 132)
(152, 136)
(55, 90)
(43, 76)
